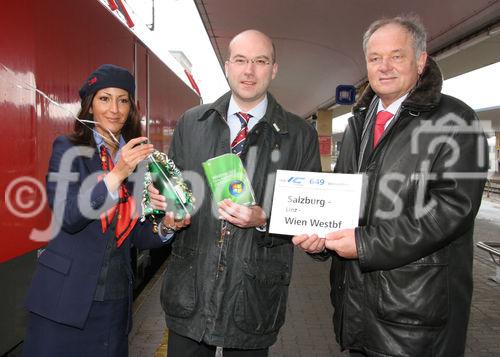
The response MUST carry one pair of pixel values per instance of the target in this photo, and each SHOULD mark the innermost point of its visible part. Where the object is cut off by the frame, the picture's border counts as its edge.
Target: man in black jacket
(226, 283)
(402, 280)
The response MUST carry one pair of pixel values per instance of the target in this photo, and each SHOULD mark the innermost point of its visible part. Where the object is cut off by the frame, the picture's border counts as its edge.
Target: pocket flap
(55, 261)
(268, 272)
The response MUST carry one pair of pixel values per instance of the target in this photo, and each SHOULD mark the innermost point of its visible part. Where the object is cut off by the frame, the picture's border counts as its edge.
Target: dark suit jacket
(66, 277)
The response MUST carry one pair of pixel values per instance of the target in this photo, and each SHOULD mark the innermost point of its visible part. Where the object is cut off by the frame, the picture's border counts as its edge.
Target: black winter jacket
(235, 295)
(409, 293)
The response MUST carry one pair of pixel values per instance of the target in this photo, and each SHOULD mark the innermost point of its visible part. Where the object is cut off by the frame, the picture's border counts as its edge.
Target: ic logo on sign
(296, 180)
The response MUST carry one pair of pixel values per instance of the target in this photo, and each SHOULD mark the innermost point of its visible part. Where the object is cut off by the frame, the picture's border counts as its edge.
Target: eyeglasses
(243, 61)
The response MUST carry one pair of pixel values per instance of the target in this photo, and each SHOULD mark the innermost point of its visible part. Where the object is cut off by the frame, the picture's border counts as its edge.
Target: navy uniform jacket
(66, 277)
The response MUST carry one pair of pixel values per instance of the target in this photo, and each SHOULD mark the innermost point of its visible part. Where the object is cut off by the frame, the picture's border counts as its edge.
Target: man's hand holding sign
(313, 206)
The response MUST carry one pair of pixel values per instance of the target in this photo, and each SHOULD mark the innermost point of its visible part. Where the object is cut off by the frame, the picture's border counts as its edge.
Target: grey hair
(410, 23)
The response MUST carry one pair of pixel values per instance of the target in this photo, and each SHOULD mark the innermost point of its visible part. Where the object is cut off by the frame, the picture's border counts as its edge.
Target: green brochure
(227, 178)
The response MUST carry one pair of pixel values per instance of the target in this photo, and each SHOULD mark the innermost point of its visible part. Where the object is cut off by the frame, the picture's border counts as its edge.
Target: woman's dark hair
(82, 135)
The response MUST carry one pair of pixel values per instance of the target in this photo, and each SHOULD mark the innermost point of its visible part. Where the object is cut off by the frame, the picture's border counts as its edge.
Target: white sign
(315, 203)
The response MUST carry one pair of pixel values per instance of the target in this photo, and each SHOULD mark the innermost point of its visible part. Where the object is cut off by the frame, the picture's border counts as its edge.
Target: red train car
(52, 45)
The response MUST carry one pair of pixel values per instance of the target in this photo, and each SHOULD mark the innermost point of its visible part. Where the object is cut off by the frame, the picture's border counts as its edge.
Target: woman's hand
(169, 222)
(130, 155)
(159, 202)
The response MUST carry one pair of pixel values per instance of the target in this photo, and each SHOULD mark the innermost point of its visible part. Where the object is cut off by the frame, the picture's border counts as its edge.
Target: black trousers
(180, 346)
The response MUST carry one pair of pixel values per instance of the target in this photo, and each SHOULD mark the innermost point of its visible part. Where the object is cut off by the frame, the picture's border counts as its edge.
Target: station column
(324, 128)
(497, 147)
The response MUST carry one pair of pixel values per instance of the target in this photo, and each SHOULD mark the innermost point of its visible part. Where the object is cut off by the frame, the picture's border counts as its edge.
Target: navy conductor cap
(106, 76)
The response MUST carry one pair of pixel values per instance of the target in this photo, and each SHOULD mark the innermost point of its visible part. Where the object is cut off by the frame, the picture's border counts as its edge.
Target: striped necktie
(239, 141)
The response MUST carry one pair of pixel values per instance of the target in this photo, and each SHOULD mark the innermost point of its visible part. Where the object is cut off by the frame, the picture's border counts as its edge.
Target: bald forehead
(251, 35)
(252, 38)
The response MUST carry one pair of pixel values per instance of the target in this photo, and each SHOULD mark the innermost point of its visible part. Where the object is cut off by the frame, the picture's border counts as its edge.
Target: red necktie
(127, 218)
(240, 139)
(380, 120)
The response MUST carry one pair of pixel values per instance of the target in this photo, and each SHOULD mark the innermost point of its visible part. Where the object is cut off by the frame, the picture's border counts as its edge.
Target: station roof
(318, 42)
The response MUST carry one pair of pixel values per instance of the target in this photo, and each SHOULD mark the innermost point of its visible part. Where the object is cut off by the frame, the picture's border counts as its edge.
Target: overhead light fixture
(467, 42)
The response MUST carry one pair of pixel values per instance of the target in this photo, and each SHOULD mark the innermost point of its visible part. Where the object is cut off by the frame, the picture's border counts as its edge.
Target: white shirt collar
(256, 112)
(99, 141)
(393, 107)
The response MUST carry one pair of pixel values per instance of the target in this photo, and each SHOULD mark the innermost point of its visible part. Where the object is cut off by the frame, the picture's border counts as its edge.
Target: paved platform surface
(308, 330)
